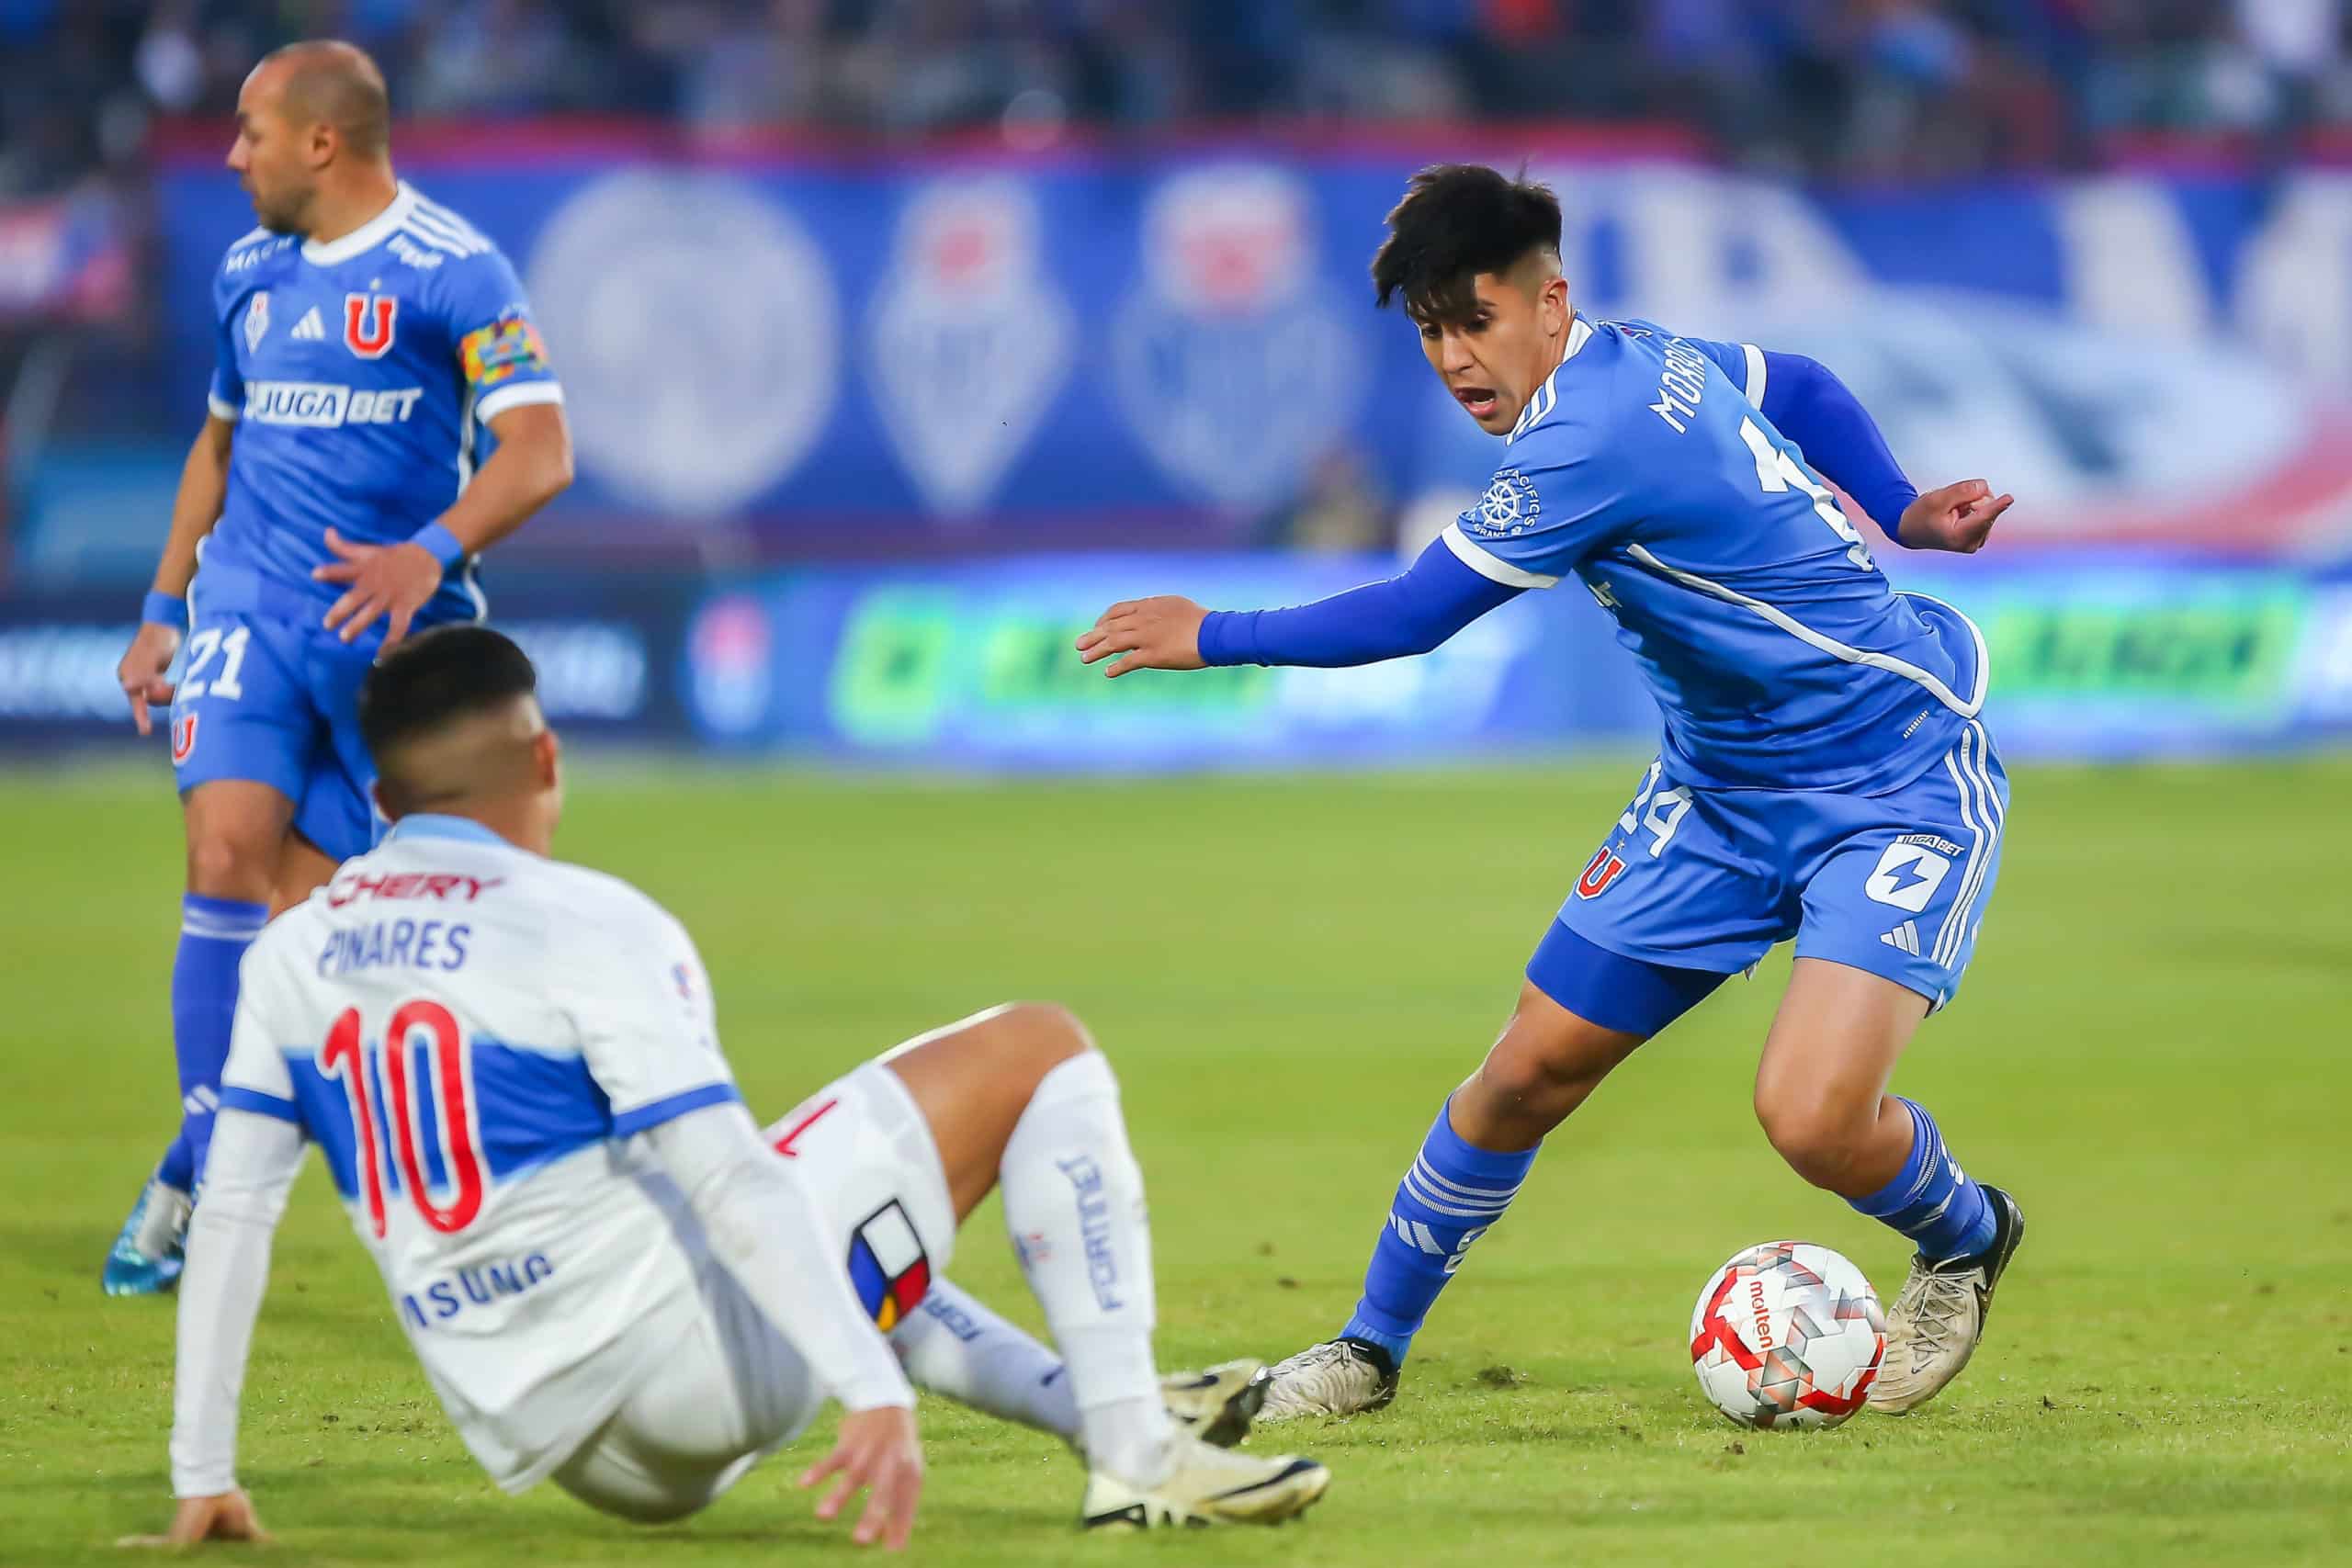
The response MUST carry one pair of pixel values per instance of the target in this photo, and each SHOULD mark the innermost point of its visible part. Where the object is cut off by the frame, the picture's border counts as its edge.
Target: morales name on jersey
(1779, 656)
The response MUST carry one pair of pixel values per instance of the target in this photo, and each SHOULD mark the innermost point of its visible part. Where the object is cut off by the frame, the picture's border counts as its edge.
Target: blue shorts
(276, 702)
(1696, 881)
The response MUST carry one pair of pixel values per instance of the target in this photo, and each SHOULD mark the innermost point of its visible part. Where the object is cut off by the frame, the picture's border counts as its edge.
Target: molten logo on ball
(1787, 1334)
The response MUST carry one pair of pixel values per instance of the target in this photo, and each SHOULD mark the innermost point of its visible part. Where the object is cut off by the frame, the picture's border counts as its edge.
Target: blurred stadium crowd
(1852, 87)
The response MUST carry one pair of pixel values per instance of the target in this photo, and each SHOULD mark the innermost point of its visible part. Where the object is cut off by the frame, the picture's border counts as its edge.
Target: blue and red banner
(853, 357)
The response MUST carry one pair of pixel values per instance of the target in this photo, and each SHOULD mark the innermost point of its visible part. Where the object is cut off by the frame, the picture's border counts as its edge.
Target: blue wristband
(160, 609)
(443, 544)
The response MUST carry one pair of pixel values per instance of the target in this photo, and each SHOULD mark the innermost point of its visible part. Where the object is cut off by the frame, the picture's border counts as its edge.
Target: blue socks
(1931, 1200)
(214, 934)
(1448, 1199)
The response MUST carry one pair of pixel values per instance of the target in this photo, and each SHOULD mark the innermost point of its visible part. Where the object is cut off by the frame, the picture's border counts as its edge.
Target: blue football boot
(148, 1255)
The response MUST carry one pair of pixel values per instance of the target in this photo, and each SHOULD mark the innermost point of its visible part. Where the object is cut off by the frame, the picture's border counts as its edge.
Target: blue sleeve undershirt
(1417, 610)
(1812, 408)
(1411, 613)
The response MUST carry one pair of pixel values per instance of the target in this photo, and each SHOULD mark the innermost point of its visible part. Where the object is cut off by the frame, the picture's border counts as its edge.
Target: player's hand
(1956, 517)
(142, 671)
(877, 1452)
(1163, 632)
(228, 1516)
(386, 579)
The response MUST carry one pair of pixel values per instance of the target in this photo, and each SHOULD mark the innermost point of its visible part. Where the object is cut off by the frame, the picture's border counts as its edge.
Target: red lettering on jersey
(1602, 869)
(784, 1145)
(442, 885)
(183, 738)
(367, 323)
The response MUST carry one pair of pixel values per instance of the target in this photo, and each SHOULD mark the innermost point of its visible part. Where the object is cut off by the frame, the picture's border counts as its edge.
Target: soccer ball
(1787, 1334)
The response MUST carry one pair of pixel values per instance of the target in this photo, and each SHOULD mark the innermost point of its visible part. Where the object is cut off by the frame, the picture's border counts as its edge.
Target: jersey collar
(1547, 396)
(435, 825)
(364, 237)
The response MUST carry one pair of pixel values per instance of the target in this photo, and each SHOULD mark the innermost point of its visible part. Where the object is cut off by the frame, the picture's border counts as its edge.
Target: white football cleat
(1206, 1486)
(1340, 1377)
(1217, 1404)
(1937, 1321)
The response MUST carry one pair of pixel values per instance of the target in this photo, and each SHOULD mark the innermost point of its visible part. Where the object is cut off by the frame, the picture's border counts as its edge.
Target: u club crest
(367, 322)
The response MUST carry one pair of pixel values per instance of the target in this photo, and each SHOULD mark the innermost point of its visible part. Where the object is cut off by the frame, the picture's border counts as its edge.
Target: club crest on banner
(700, 333)
(1232, 367)
(970, 339)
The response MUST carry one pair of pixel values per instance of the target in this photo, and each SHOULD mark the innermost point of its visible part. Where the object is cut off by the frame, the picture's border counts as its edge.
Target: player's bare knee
(227, 865)
(1820, 1140)
(1036, 1037)
(1533, 1075)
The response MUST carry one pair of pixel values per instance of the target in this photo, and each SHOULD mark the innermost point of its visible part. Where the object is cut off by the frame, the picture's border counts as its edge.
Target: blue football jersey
(359, 373)
(1778, 654)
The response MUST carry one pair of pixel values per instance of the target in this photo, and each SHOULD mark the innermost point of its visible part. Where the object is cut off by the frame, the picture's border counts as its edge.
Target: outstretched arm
(1812, 408)
(252, 1164)
(1407, 614)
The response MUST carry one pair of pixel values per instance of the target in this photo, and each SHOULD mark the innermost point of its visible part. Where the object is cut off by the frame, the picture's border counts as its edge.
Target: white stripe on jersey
(1755, 369)
(1975, 780)
(433, 242)
(514, 395)
(456, 225)
(440, 233)
(1489, 565)
(1547, 396)
(1870, 658)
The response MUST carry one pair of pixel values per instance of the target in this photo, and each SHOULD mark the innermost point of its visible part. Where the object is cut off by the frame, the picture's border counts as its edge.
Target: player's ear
(546, 760)
(1552, 305)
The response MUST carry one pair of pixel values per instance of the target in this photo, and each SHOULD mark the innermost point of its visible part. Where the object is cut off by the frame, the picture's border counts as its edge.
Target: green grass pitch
(2155, 1051)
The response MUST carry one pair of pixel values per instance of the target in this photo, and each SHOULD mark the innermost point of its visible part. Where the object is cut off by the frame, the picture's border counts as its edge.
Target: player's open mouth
(1479, 400)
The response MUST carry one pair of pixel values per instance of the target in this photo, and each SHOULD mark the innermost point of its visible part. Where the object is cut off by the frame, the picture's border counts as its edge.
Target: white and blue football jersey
(359, 373)
(1779, 656)
(470, 1034)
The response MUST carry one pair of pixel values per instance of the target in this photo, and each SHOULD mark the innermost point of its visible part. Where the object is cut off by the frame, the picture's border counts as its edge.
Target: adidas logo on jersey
(1904, 936)
(310, 328)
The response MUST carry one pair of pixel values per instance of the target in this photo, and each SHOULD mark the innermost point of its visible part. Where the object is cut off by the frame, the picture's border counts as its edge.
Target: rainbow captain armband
(508, 347)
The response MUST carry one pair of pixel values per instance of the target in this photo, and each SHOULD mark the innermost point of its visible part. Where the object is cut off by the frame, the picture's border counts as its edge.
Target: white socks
(1074, 1202)
(956, 1345)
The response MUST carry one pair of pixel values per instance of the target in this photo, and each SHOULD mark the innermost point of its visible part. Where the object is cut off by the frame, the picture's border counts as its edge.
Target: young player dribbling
(1825, 772)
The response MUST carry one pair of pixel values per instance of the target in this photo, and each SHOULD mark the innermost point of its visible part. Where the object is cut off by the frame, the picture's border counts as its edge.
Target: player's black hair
(1456, 222)
(435, 678)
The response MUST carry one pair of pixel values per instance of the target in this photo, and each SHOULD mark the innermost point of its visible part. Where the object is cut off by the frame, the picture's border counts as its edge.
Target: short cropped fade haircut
(1456, 222)
(433, 681)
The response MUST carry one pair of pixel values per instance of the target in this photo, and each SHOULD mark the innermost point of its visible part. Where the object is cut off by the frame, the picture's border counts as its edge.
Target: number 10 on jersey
(389, 1105)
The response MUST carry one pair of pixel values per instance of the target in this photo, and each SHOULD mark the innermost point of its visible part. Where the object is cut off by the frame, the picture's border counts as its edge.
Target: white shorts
(729, 1389)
